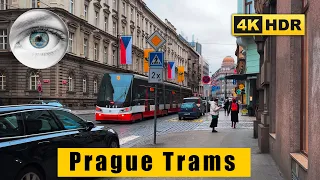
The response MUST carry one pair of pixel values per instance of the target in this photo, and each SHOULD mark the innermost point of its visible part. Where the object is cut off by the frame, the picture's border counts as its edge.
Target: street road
(140, 132)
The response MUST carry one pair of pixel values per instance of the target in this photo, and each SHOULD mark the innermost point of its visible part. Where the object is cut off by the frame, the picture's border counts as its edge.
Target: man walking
(214, 111)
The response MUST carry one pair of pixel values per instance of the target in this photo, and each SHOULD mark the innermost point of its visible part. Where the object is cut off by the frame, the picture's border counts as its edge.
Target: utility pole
(225, 87)
(155, 115)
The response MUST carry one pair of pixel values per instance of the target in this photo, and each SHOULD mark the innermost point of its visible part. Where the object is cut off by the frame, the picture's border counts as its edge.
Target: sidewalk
(262, 165)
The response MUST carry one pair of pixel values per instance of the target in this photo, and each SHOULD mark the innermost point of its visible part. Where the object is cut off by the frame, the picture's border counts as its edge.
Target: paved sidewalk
(262, 165)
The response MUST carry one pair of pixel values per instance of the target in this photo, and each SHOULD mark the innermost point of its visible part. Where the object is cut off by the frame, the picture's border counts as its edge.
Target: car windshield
(187, 105)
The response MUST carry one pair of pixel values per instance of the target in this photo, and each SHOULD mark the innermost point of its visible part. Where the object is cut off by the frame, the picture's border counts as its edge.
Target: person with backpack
(234, 113)
(214, 111)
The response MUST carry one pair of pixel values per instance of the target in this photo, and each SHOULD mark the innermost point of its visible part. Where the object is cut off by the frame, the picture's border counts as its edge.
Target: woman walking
(226, 107)
(214, 111)
(234, 113)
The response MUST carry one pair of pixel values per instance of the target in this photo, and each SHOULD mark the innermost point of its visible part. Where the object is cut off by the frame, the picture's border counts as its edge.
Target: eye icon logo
(39, 39)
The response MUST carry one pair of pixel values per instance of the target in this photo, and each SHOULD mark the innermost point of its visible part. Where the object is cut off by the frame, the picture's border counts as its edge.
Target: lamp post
(225, 87)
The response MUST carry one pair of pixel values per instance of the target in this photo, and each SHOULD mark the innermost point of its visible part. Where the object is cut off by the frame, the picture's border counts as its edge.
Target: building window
(114, 57)
(304, 86)
(105, 55)
(123, 30)
(138, 42)
(84, 85)
(114, 28)
(248, 7)
(114, 4)
(86, 12)
(33, 79)
(132, 14)
(85, 47)
(95, 86)
(34, 3)
(138, 20)
(71, 6)
(70, 83)
(3, 4)
(106, 24)
(97, 19)
(124, 8)
(3, 39)
(96, 48)
(2, 81)
(71, 35)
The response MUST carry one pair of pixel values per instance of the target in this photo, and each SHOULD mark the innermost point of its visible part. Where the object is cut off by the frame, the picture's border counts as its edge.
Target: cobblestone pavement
(141, 132)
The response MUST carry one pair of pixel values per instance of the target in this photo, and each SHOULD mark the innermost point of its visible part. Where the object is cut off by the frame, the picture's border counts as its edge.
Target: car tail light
(194, 109)
(98, 109)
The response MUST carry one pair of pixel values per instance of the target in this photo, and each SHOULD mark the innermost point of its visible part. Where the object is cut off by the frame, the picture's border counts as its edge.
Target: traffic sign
(239, 91)
(155, 75)
(206, 79)
(156, 41)
(39, 88)
(241, 86)
(156, 59)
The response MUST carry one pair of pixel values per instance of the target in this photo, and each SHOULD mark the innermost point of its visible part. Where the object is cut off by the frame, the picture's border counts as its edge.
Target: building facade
(289, 81)
(251, 57)
(94, 30)
(226, 85)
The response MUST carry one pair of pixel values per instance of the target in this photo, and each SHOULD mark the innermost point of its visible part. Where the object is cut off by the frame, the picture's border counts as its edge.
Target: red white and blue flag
(125, 49)
(171, 70)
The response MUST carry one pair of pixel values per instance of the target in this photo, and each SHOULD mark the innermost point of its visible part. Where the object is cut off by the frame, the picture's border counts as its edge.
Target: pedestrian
(234, 113)
(226, 106)
(229, 108)
(214, 111)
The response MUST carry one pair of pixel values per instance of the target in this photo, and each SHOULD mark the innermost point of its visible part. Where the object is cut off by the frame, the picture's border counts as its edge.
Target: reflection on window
(33, 79)
(11, 125)
(39, 122)
(69, 120)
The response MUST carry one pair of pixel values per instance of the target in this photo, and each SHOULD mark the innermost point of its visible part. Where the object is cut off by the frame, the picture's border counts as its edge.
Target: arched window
(2, 81)
(95, 86)
(33, 80)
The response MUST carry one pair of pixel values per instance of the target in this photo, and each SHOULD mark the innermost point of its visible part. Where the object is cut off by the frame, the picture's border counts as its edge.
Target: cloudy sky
(208, 20)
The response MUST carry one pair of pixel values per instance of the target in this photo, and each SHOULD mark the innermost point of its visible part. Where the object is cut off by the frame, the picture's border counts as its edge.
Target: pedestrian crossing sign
(156, 59)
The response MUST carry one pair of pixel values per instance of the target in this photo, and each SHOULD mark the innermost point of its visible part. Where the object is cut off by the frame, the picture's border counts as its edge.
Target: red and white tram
(129, 97)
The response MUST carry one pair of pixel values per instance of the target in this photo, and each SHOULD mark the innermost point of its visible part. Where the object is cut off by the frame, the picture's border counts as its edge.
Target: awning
(241, 76)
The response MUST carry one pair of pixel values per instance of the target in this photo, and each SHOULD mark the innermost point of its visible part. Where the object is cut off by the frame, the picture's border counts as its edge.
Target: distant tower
(193, 38)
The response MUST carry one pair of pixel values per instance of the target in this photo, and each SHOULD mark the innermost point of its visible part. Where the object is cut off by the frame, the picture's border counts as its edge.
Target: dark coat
(235, 114)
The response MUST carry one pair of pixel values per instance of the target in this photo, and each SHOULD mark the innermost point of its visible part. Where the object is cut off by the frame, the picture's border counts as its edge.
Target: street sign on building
(206, 79)
(156, 59)
(156, 41)
(155, 75)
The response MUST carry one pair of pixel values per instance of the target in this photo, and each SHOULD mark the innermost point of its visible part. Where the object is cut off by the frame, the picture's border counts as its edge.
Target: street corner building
(95, 30)
(288, 88)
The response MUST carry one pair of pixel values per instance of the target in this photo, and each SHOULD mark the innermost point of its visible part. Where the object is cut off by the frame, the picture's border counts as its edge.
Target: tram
(129, 97)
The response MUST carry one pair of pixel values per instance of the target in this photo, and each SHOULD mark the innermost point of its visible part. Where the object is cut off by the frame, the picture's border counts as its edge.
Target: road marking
(127, 139)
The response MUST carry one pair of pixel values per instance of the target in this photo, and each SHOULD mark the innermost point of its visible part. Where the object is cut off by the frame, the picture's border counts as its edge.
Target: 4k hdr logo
(268, 24)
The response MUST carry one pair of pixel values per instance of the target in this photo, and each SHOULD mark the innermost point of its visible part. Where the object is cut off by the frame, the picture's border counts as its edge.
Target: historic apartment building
(94, 30)
(226, 85)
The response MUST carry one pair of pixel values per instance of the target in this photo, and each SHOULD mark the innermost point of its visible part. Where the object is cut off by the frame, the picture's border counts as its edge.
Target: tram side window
(160, 96)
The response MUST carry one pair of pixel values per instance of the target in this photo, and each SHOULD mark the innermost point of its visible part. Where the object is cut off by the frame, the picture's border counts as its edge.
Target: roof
(13, 108)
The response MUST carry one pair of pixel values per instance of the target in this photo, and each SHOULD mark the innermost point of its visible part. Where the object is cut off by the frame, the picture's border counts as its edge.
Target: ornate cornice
(97, 4)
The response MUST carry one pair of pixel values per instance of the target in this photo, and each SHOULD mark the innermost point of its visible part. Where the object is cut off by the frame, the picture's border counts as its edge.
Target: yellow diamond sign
(156, 41)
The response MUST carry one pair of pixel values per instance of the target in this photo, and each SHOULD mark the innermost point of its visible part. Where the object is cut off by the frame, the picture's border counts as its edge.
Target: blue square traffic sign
(156, 59)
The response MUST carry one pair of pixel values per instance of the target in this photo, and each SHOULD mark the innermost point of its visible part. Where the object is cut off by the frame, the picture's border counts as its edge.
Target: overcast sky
(208, 20)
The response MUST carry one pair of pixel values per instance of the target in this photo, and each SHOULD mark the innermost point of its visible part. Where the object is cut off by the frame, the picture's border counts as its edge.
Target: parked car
(189, 110)
(200, 104)
(31, 134)
(50, 102)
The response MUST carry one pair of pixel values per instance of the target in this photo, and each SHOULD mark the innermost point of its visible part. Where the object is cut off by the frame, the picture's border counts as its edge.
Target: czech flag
(125, 49)
(171, 70)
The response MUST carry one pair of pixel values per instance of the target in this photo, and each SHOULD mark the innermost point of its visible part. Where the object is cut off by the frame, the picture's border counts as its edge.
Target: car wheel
(114, 143)
(180, 117)
(30, 173)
